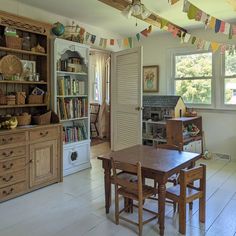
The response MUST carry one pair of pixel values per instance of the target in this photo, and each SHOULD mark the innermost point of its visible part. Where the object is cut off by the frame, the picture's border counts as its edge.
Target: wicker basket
(20, 98)
(13, 42)
(43, 119)
(11, 99)
(35, 99)
(23, 120)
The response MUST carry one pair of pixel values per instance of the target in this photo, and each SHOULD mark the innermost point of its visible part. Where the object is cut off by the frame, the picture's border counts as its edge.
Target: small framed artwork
(150, 79)
(29, 68)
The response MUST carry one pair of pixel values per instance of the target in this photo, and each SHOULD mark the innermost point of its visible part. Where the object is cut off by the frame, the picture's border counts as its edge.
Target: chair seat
(175, 191)
(127, 176)
(147, 192)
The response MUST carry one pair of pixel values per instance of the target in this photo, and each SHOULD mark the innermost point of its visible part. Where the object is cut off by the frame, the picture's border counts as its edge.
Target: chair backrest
(187, 178)
(118, 166)
(94, 112)
(170, 146)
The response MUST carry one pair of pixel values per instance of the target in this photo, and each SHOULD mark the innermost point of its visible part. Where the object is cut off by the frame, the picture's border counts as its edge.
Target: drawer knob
(7, 167)
(7, 179)
(6, 193)
(43, 134)
(7, 140)
(7, 154)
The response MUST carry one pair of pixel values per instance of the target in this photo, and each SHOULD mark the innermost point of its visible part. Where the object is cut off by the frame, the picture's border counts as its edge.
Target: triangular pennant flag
(207, 45)
(182, 36)
(149, 29)
(175, 32)
(230, 32)
(212, 23)
(172, 2)
(87, 35)
(81, 31)
(187, 37)
(130, 42)
(138, 36)
(144, 32)
(222, 27)
(164, 23)
(192, 11)
(112, 42)
(204, 18)
(198, 15)
(200, 43)
(217, 25)
(193, 39)
(171, 28)
(186, 6)
(223, 49)
(119, 42)
(214, 46)
(93, 38)
(233, 29)
(227, 28)
(126, 42)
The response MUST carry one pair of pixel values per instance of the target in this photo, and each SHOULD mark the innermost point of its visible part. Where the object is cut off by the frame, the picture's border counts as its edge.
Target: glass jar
(26, 43)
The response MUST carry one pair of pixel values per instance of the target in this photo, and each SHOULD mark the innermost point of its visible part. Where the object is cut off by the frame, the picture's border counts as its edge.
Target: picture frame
(151, 79)
(29, 69)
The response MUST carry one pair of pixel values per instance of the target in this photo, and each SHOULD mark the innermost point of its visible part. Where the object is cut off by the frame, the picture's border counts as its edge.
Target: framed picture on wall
(150, 79)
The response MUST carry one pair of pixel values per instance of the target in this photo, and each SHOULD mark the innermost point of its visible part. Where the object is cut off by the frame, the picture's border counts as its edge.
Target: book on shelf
(66, 86)
(72, 108)
(75, 133)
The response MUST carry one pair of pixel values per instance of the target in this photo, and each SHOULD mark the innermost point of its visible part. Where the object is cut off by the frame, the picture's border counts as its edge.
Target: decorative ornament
(58, 29)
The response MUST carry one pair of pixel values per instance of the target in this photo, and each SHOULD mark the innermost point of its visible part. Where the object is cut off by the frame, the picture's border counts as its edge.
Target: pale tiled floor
(76, 208)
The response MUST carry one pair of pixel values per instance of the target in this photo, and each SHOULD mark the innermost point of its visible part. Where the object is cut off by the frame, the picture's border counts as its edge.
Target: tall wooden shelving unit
(30, 157)
(71, 102)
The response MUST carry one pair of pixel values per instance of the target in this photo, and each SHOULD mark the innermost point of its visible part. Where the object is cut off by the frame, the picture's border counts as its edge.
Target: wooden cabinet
(35, 163)
(43, 162)
(177, 133)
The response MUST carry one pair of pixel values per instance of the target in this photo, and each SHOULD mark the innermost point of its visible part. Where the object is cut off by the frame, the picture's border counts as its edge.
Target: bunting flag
(211, 22)
(172, 2)
(130, 42)
(126, 42)
(87, 35)
(112, 42)
(93, 38)
(138, 36)
(119, 42)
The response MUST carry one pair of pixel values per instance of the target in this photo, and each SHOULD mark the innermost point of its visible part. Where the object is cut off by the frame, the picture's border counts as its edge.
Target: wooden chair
(131, 190)
(94, 114)
(186, 192)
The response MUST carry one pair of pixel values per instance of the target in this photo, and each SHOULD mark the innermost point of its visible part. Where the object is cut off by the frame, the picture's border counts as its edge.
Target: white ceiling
(98, 14)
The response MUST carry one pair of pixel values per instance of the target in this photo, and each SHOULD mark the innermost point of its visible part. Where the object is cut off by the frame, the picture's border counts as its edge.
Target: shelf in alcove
(24, 105)
(20, 82)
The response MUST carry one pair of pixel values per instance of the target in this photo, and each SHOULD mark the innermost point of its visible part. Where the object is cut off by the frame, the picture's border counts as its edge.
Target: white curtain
(100, 60)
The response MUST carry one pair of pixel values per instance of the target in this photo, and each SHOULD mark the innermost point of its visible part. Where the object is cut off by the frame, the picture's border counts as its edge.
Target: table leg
(161, 206)
(107, 185)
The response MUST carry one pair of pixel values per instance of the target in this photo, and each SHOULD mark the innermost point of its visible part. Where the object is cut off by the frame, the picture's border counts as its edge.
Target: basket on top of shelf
(35, 99)
(43, 119)
(23, 119)
(13, 42)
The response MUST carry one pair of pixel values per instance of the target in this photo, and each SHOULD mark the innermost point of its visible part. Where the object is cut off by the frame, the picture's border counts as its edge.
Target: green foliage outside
(194, 66)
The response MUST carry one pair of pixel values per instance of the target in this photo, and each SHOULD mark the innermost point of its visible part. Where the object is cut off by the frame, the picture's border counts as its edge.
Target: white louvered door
(126, 98)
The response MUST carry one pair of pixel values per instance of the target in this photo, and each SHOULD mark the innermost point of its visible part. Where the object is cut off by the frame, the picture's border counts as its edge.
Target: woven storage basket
(43, 119)
(20, 98)
(23, 120)
(35, 99)
(11, 100)
(13, 42)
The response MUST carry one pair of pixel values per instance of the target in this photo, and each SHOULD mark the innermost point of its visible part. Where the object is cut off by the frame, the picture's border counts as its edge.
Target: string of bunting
(211, 22)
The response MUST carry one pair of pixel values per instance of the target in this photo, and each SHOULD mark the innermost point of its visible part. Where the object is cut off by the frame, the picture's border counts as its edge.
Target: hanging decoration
(211, 22)
(172, 2)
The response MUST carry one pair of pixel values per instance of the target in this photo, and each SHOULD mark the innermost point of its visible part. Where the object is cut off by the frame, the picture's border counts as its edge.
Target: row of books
(71, 108)
(67, 85)
(76, 133)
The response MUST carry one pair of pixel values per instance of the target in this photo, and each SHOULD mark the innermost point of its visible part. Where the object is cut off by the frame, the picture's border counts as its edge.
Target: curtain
(101, 73)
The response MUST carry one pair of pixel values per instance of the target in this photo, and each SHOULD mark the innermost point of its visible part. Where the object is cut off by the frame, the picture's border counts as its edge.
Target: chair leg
(155, 186)
(182, 217)
(202, 209)
(97, 132)
(116, 206)
(140, 217)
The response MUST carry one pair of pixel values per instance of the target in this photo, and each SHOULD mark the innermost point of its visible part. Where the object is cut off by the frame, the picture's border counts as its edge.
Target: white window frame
(171, 74)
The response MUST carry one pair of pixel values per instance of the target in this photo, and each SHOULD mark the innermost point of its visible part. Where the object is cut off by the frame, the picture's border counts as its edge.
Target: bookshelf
(71, 102)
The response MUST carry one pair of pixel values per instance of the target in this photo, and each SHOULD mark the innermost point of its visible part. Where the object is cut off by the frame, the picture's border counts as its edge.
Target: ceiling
(98, 14)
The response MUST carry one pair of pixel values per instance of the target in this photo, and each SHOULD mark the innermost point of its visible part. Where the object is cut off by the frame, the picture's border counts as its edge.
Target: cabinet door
(44, 162)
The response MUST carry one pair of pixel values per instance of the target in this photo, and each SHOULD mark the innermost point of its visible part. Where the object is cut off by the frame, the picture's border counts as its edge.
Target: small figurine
(38, 48)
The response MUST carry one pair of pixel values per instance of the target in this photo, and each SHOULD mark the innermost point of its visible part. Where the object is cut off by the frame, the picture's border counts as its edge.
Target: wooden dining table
(157, 164)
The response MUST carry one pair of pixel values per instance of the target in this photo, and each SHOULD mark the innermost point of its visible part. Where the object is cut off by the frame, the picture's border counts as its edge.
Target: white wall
(219, 126)
(21, 9)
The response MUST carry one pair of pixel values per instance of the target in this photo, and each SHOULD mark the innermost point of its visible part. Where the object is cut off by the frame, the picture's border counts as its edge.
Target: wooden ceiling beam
(153, 19)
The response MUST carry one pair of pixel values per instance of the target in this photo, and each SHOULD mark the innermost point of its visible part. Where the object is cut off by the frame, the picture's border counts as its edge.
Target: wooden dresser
(29, 159)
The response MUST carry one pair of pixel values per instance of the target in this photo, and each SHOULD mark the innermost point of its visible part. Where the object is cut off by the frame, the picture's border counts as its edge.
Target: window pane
(193, 65)
(194, 91)
(230, 91)
(230, 64)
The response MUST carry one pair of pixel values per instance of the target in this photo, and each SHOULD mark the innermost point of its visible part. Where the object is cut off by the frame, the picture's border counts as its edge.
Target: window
(193, 77)
(229, 74)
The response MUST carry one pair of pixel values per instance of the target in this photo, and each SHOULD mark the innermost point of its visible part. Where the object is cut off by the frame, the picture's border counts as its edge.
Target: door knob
(138, 108)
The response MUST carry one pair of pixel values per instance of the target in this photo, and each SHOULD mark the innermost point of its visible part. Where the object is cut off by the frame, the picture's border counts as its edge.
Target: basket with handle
(13, 42)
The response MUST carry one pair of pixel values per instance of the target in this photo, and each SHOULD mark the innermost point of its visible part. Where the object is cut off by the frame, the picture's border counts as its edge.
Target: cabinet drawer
(12, 165)
(50, 133)
(12, 138)
(12, 190)
(12, 152)
(11, 178)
